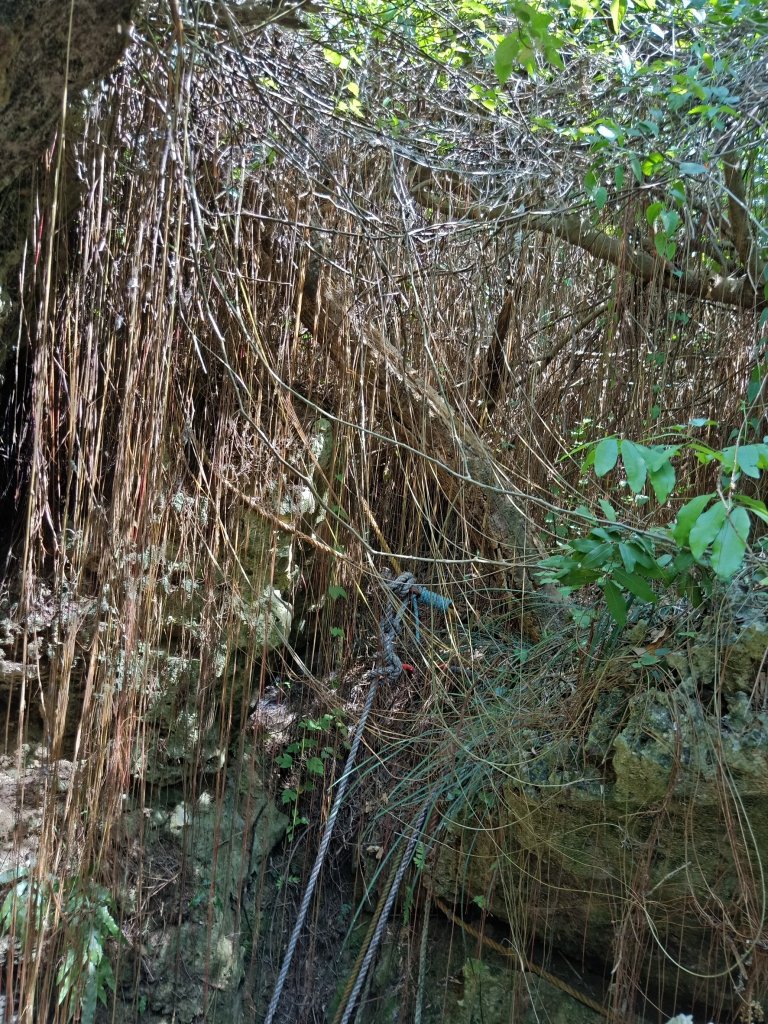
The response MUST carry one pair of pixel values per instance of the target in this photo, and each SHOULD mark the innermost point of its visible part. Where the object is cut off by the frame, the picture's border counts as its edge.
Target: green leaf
(600, 197)
(578, 577)
(284, 761)
(335, 592)
(748, 458)
(552, 55)
(88, 1001)
(584, 513)
(653, 212)
(657, 456)
(635, 585)
(506, 57)
(757, 507)
(608, 510)
(671, 221)
(730, 544)
(705, 529)
(527, 58)
(634, 466)
(628, 557)
(663, 481)
(598, 556)
(606, 455)
(618, 13)
(617, 606)
(692, 168)
(601, 534)
(688, 515)
(315, 766)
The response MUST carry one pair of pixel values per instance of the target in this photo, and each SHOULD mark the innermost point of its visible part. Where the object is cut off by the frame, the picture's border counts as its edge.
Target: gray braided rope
(320, 858)
(410, 849)
(389, 629)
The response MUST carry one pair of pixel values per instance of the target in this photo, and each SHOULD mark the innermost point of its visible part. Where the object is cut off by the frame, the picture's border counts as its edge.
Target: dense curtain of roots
(180, 359)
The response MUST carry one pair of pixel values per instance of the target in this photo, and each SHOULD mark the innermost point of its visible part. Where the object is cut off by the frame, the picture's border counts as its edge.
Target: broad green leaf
(506, 57)
(617, 606)
(88, 1000)
(584, 513)
(634, 466)
(589, 460)
(688, 515)
(600, 197)
(730, 543)
(705, 529)
(578, 577)
(671, 221)
(335, 591)
(608, 510)
(682, 562)
(583, 544)
(635, 585)
(606, 455)
(653, 212)
(657, 456)
(602, 534)
(748, 458)
(757, 507)
(618, 12)
(552, 54)
(628, 556)
(95, 950)
(315, 766)
(527, 59)
(663, 481)
(598, 556)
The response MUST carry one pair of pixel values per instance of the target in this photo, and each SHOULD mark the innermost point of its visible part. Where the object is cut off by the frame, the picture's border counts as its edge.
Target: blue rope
(434, 600)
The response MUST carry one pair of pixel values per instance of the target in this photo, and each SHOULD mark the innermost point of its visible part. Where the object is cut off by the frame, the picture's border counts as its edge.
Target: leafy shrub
(707, 540)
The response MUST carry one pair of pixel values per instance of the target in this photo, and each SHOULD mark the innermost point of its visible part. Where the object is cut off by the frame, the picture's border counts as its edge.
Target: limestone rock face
(637, 820)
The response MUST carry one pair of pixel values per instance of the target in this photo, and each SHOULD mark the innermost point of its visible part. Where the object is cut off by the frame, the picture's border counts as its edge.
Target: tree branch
(571, 228)
(731, 291)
